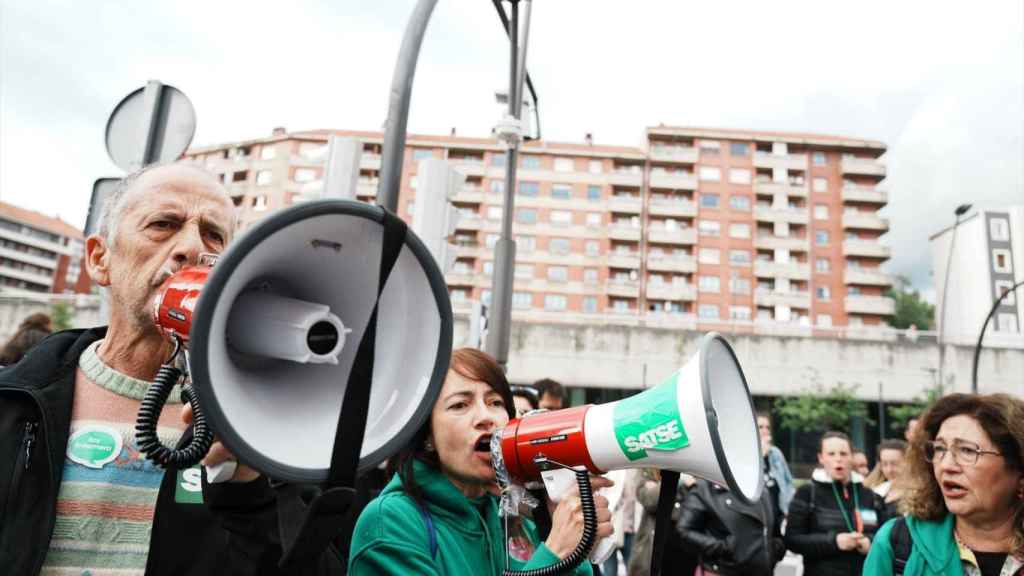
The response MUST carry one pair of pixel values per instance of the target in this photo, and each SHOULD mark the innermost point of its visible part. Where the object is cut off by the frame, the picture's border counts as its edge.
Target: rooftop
(38, 220)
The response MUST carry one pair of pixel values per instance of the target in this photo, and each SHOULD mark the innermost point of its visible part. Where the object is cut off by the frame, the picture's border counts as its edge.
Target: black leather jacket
(730, 536)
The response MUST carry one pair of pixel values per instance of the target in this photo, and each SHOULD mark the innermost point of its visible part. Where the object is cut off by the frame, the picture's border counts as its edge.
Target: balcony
(368, 161)
(17, 274)
(679, 236)
(868, 248)
(624, 204)
(865, 277)
(469, 194)
(623, 288)
(626, 232)
(42, 262)
(617, 260)
(631, 179)
(769, 242)
(678, 154)
(790, 215)
(670, 291)
(880, 305)
(791, 299)
(787, 188)
(468, 167)
(673, 181)
(29, 240)
(460, 279)
(791, 270)
(865, 166)
(865, 221)
(366, 189)
(469, 223)
(787, 161)
(673, 208)
(471, 250)
(864, 194)
(657, 263)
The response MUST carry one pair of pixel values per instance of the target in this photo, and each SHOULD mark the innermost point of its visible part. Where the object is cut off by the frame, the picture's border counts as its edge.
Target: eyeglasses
(964, 453)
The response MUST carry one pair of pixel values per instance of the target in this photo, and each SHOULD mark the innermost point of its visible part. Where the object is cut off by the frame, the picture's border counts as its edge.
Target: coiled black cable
(149, 415)
(570, 562)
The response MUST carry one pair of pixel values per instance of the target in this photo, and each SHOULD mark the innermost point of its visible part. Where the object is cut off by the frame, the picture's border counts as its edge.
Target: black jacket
(233, 532)
(815, 520)
(730, 536)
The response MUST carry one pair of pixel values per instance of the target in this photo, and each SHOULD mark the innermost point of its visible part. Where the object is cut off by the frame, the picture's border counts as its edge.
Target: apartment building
(39, 253)
(696, 227)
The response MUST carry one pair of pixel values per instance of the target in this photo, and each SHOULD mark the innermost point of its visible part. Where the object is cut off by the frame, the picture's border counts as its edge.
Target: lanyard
(842, 509)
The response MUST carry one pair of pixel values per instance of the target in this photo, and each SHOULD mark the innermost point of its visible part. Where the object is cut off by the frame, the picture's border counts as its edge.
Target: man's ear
(97, 259)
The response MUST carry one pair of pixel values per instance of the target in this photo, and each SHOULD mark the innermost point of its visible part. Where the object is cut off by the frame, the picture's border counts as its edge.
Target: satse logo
(662, 434)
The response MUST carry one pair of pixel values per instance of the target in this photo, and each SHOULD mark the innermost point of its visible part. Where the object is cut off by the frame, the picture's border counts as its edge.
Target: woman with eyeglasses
(964, 495)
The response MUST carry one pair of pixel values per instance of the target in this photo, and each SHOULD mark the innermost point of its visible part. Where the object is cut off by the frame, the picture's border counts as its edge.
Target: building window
(739, 149)
(264, 177)
(823, 265)
(590, 275)
(821, 237)
(824, 321)
(497, 187)
(737, 230)
(590, 304)
(491, 240)
(710, 146)
(818, 158)
(529, 188)
(593, 193)
(561, 218)
(709, 283)
(708, 256)
(1001, 261)
(559, 246)
(488, 268)
(823, 293)
(853, 291)
(709, 200)
(524, 271)
(739, 176)
(530, 162)
(561, 191)
(999, 229)
(708, 311)
(820, 185)
(498, 160)
(303, 175)
(555, 302)
(241, 176)
(1006, 322)
(820, 212)
(526, 216)
(710, 174)
(593, 219)
(564, 165)
(421, 154)
(620, 305)
(495, 212)
(739, 285)
(740, 203)
(739, 257)
(709, 227)
(259, 203)
(595, 167)
(1005, 286)
(739, 312)
(522, 300)
(592, 248)
(268, 153)
(459, 295)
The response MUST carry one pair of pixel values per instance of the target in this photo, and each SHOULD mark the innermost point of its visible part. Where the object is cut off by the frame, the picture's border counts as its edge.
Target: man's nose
(188, 246)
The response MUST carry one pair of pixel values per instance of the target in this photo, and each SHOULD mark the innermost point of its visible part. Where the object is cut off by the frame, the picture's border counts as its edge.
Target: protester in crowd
(525, 398)
(964, 494)
(885, 478)
(624, 518)
(551, 394)
(82, 499)
(730, 537)
(776, 466)
(860, 462)
(675, 559)
(833, 518)
(908, 433)
(439, 514)
(30, 332)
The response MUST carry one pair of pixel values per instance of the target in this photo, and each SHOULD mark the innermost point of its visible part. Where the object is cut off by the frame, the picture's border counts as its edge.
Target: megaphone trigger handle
(221, 472)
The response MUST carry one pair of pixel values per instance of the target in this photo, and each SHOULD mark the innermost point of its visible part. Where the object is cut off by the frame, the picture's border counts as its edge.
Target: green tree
(60, 316)
(900, 415)
(818, 410)
(910, 308)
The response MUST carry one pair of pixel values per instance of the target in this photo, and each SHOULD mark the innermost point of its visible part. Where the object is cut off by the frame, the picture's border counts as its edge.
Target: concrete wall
(638, 357)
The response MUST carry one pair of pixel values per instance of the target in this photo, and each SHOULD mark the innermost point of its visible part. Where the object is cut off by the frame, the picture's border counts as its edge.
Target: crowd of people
(79, 498)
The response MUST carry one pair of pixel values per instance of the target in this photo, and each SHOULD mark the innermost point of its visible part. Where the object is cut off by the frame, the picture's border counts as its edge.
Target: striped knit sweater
(106, 502)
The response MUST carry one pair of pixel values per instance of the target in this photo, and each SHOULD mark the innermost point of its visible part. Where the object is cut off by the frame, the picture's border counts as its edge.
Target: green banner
(650, 420)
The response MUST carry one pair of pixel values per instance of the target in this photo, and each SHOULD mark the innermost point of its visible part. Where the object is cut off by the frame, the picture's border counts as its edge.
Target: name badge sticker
(94, 446)
(869, 517)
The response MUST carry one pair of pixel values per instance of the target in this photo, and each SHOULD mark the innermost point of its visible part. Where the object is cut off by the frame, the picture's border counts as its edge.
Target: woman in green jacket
(439, 514)
(965, 493)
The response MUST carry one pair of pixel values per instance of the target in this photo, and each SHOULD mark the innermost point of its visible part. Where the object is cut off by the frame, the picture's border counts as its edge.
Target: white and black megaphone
(281, 326)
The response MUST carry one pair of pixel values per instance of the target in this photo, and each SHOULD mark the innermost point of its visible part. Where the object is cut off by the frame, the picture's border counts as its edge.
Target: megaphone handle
(558, 481)
(221, 472)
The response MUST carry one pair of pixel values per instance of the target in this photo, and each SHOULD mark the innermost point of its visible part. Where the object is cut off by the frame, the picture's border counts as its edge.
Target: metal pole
(945, 296)
(398, 106)
(881, 414)
(505, 250)
(981, 335)
(152, 104)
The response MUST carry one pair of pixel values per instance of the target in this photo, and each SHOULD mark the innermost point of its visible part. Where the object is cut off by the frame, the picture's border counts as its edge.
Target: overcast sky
(942, 83)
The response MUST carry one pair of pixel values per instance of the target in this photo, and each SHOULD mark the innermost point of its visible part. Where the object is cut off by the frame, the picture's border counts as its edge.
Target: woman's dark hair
(1001, 416)
(527, 392)
(30, 332)
(834, 434)
(469, 363)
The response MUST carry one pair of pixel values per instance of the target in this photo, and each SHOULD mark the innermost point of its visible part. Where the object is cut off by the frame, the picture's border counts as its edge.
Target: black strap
(309, 519)
(662, 529)
(901, 543)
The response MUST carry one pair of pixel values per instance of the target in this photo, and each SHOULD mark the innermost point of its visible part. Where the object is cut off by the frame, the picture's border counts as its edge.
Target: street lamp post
(958, 213)
(981, 335)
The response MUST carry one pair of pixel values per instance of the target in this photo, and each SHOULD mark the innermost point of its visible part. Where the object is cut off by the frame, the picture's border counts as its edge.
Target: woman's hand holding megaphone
(567, 519)
(218, 454)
